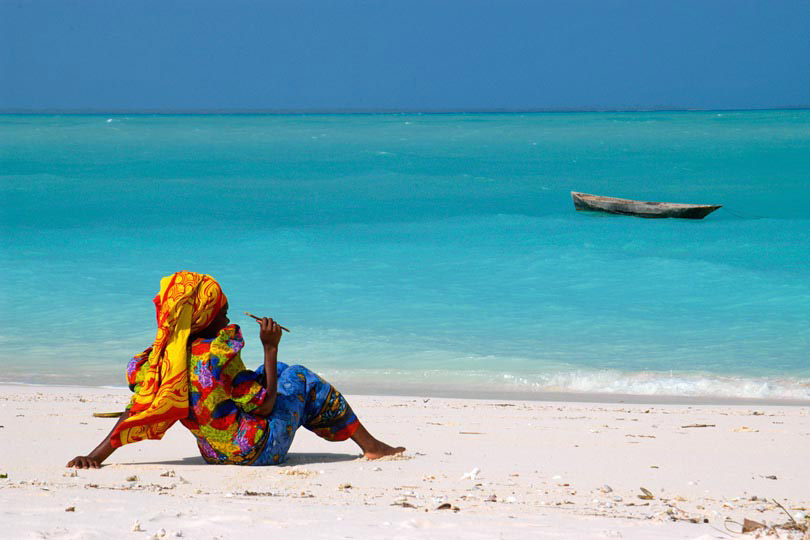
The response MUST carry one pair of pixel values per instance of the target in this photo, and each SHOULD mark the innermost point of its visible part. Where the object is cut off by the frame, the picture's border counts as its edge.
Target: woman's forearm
(270, 334)
(270, 371)
(101, 452)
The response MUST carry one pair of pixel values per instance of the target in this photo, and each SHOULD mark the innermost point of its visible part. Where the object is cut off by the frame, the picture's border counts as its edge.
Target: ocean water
(420, 253)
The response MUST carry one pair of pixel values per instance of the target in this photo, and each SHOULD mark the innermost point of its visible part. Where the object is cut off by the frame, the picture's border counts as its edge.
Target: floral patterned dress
(223, 394)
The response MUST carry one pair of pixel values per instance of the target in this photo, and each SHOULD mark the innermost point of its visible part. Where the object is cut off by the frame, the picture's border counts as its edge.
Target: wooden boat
(629, 207)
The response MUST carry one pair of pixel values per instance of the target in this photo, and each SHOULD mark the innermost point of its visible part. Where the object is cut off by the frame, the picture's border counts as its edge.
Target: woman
(194, 373)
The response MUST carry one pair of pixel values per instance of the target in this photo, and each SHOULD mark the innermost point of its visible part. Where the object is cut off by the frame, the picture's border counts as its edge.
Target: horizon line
(215, 111)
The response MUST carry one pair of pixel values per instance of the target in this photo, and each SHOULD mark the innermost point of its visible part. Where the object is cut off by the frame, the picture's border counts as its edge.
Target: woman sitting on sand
(194, 373)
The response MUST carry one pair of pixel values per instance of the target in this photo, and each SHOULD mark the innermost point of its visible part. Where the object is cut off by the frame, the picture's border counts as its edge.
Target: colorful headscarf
(187, 303)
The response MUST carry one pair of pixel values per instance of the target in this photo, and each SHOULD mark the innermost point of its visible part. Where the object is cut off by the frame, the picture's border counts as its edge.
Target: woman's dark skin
(270, 336)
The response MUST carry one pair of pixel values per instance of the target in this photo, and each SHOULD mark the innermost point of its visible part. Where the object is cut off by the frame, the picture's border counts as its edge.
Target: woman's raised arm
(270, 334)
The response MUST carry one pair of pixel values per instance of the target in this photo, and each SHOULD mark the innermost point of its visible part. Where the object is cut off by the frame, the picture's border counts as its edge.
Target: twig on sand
(749, 525)
(777, 503)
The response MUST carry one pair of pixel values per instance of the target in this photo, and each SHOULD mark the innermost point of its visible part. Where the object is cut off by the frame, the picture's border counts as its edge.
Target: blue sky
(315, 55)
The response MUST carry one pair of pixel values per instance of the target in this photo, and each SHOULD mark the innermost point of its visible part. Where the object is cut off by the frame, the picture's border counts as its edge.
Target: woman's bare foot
(382, 450)
(371, 447)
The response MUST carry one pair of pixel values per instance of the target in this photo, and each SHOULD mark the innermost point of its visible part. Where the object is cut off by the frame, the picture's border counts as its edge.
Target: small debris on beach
(472, 475)
(646, 494)
(136, 527)
(132, 478)
(403, 502)
(746, 429)
(168, 473)
(749, 525)
(70, 509)
(698, 426)
(249, 493)
(295, 471)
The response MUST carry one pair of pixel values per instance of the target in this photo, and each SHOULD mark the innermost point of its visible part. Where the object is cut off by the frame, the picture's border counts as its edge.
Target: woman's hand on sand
(269, 332)
(84, 462)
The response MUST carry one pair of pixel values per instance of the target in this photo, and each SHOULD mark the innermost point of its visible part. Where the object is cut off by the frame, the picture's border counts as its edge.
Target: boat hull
(628, 207)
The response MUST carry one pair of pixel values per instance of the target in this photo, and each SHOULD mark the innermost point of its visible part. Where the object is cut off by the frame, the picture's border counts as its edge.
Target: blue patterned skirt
(304, 399)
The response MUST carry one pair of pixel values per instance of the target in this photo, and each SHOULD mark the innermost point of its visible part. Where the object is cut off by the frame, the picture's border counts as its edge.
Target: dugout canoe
(628, 207)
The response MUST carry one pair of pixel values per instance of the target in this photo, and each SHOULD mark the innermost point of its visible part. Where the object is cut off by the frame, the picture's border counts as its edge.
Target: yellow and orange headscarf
(187, 303)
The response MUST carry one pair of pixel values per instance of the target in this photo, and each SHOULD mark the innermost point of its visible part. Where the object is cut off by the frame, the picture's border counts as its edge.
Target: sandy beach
(473, 469)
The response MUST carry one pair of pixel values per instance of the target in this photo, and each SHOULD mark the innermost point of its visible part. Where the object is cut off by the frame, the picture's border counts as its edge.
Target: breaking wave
(610, 382)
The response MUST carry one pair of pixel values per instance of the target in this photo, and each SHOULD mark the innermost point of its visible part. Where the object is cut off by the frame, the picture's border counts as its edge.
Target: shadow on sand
(293, 459)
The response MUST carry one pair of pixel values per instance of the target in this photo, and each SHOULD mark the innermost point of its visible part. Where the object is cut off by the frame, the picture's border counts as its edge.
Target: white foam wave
(671, 384)
(442, 382)
(692, 385)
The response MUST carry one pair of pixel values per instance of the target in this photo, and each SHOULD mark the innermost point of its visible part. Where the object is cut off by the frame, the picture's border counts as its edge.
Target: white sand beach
(473, 469)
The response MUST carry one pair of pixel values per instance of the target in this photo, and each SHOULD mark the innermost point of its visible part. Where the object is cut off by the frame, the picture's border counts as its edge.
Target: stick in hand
(259, 318)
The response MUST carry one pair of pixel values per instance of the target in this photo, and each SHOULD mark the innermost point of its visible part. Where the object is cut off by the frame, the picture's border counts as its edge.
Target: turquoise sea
(419, 253)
